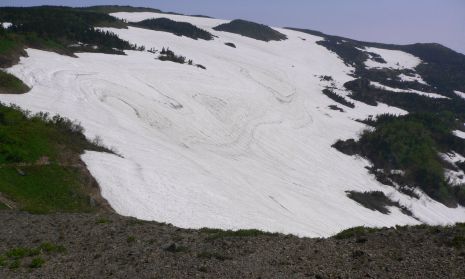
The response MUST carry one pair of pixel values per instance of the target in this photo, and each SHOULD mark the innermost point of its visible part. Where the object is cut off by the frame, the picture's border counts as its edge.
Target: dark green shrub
(337, 98)
(37, 262)
(376, 200)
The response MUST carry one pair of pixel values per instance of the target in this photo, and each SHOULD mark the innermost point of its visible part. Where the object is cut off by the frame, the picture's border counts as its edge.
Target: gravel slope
(110, 246)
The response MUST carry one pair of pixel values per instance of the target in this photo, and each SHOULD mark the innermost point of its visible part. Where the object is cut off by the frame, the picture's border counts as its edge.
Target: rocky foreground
(111, 246)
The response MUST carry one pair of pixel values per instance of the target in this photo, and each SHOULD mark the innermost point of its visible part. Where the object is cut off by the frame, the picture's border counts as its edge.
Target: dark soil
(110, 246)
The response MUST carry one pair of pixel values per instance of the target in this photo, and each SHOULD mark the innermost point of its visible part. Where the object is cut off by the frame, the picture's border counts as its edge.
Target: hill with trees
(63, 30)
(252, 30)
(177, 28)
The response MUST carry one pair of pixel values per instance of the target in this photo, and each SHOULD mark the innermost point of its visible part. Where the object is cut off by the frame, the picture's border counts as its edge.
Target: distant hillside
(252, 30)
(174, 27)
(59, 29)
(107, 9)
(444, 68)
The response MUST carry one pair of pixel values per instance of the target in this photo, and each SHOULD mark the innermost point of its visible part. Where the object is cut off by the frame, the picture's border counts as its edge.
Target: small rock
(358, 254)
(171, 247)
(21, 172)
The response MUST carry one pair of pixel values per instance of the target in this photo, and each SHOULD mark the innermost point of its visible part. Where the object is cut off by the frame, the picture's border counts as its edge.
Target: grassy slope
(40, 167)
(10, 84)
(45, 189)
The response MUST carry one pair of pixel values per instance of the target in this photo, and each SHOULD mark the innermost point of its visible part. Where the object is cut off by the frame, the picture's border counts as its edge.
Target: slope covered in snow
(245, 143)
(384, 87)
(395, 59)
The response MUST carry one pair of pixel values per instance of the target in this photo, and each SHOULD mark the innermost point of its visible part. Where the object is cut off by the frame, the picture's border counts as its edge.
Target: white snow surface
(416, 77)
(395, 59)
(6, 25)
(243, 144)
(459, 134)
(460, 94)
(413, 91)
(455, 177)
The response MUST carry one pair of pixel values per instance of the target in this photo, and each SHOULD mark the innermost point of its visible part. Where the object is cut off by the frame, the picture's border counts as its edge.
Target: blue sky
(389, 21)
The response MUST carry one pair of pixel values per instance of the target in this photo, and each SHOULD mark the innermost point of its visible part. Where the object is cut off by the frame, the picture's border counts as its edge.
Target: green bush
(48, 247)
(37, 262)
(337, 98)
(22, 252)
(457, 241)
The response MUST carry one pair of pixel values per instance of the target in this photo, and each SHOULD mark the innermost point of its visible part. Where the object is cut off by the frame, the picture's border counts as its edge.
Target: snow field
(243, 144)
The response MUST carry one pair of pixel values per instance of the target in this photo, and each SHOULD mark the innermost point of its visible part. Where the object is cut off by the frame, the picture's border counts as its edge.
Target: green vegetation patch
(355, 232)
(9, 84)
(377, 201)
(7, 45)
(49, 248)
(26, 138)
(22, 252)
(218, 233)
(37, 262)
(131, 239)
(252, 30)
(13, 257)
(177, 28)
(457, 241)
(45, 189)
(60, 29)
(337, 98)
(169, 55)
(412, 143)
(103, 221)
(3, 206)
(39, 162)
